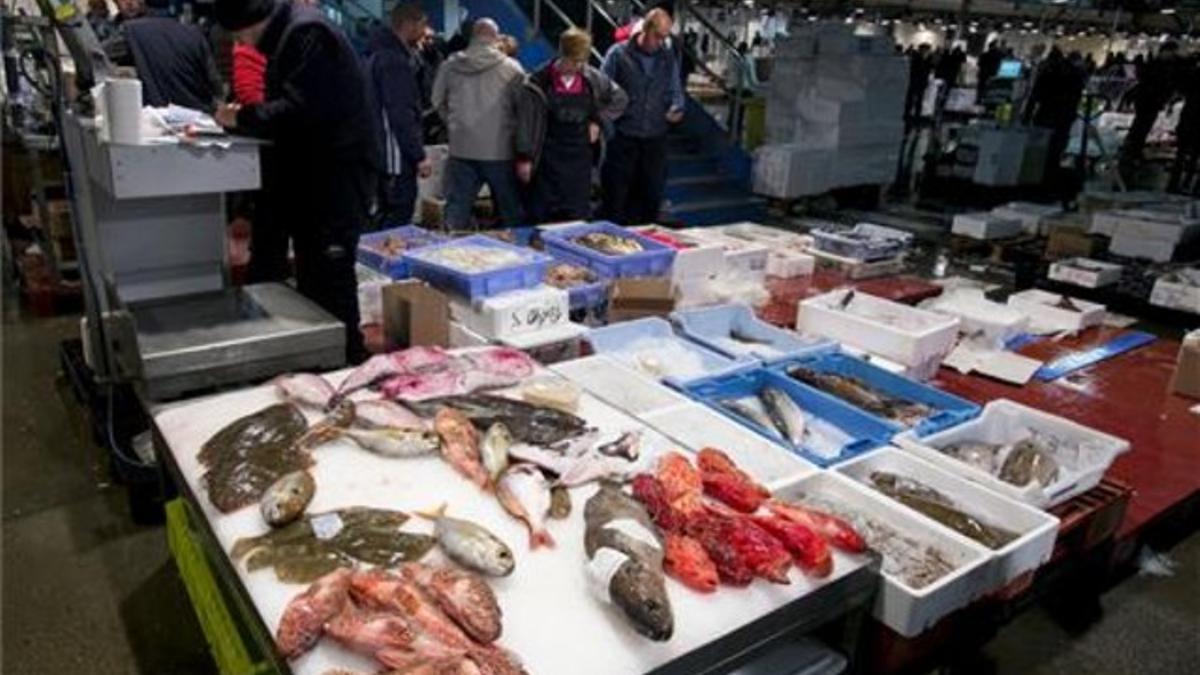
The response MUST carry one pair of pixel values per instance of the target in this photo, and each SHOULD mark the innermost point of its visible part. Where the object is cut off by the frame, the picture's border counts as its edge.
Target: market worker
(1156, 83)
(635, 168)
(559, 114)
(319, 171)
(475, 92)
(394, 66)
(172, 60)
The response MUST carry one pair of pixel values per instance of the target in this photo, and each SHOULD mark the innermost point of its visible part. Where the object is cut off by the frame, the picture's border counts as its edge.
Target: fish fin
(538, 538)
(434, 514)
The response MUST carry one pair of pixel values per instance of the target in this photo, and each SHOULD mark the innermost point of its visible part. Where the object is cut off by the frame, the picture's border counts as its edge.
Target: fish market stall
(551, 621)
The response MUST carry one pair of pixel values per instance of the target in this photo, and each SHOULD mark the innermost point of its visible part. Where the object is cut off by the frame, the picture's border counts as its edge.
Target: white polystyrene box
(741, 256)
(788, 264)
(1036, 530)
(460, 336)
(1158, 250)
(1044, 315)
(1033, 217)
(1176, 295)
(1005, 422)
(701, 260)
(915, 338)
(995, 321)
(1085, 272)
(984, 225)
(520, 312)
(906, 610)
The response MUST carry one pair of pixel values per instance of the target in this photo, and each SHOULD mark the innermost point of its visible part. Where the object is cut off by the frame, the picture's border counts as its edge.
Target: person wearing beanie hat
(172, 60)
(560, 111)
(320, 171)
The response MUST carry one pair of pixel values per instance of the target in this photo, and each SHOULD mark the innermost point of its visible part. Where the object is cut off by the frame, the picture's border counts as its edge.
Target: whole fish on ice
(471, 545)
(525, 493)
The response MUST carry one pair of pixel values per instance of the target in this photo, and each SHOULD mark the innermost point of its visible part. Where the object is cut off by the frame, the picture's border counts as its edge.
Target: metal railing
(563, 17)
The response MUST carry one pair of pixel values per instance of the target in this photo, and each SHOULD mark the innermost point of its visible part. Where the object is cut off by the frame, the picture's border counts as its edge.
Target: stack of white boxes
(834, 113)
(1151, 234)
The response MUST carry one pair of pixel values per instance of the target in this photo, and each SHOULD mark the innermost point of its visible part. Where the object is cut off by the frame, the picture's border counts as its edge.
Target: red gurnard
(724, 481)
(808, 549)
(686, 560)
(304, 618)
(836, 531)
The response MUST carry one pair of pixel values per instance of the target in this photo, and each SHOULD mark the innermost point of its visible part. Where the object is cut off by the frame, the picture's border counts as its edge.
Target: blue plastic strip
(1082, 359)
(1022, 339)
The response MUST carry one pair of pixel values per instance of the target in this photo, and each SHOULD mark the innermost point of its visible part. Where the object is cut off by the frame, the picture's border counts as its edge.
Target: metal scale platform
(160, 309)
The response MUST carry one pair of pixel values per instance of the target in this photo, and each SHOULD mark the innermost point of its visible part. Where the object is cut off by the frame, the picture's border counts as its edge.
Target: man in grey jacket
(475, 92)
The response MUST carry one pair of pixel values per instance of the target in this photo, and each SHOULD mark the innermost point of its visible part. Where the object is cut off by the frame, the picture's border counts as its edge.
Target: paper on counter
(1003, 365)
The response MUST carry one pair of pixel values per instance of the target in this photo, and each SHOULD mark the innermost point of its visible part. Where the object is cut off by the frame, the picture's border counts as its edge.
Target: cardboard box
(1186, 381)
(1070, 242)
(637, 297)
(415, 313)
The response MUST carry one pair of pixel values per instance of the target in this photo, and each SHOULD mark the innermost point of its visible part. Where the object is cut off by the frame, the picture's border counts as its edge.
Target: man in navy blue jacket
(394, 64)
(635, 167)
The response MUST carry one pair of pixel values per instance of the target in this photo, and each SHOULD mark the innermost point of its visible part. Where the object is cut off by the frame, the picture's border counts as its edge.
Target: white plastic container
(1046, 317)
(1033, 217)
(1177, 294)
(995, 322)
(765, 234)
(1085, 272)
(906, 610)
(1004, 422)
(984, 225)
(522, 312)
(701, 260)
(740, 255)
(620, 386)
(913, 337)
(1035, 528)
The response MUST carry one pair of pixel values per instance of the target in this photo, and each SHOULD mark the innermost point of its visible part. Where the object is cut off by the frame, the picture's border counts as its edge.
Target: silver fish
(536, 454)
(787, 417)
(627, 446)
(525, 493)
(471, 545)
(285, 500)
(392, 442)
(386, 414)
(749, 410)
(304, 389)
(494, 449)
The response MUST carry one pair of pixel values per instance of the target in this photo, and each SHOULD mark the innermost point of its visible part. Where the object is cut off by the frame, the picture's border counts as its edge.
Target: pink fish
(304, 389)
(383, 414)
(304, 618)
(382, 366)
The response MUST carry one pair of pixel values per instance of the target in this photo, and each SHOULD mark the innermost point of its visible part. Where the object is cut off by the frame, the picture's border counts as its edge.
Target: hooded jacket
(475, 92)
(608, 102)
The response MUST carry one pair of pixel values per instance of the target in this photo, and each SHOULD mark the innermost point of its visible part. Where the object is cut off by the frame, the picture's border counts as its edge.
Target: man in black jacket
(394, 66)
(319, 173)
(172, 60)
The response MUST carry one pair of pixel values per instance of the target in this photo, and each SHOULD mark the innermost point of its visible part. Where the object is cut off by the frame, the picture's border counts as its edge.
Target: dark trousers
(399, 199)
(1144, 116)
(1185, 172)
(325, 274)
(634, 176)
(464, 177)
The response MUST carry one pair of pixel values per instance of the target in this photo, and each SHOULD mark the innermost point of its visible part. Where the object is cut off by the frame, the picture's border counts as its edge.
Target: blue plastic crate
(949, 410)
(714, 326)
(654, 260)
(585, 296)
(622, 337)
(394, 266)
(866, 432)
(475, 285)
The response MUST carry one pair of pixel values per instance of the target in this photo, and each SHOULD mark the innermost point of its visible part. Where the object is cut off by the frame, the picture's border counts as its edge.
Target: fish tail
(434, 514)
(538, 538)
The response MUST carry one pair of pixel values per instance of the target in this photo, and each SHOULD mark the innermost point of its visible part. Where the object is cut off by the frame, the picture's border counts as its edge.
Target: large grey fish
(471, 545)
(858, 393)
(625, 557)
(1027, 463)
(528, 423)
(921, 497)
(394, 442)
(287, 498)
(784, 413)
(749, 409)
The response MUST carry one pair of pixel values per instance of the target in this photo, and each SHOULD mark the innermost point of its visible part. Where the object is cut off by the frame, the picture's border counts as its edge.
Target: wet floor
(87, 591)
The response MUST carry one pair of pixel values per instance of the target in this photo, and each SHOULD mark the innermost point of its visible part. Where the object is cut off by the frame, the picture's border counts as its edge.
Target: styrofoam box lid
(1100, 265)
(568, 330)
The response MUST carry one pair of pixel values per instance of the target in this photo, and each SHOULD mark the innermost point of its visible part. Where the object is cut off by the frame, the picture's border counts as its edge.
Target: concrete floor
(86, 590)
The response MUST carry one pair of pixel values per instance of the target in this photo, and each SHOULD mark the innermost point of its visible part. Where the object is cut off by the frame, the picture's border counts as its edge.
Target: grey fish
(858, 393)
(528, 423)
(626, 446)
(747, 409)
(625, 557)
(785, 414)
(560, 502)
(922, 498)
(245, 457)
(471, 545)
(846, 300)
(493, 450)
(287, 498)
(978, 454)
(1027, 463)
(394, 442)
(739, 335)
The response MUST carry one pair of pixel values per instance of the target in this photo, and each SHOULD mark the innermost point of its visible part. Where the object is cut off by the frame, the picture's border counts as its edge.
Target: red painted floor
(1125, 396)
